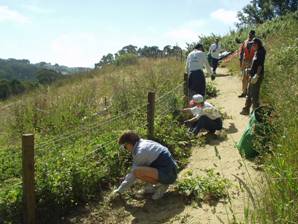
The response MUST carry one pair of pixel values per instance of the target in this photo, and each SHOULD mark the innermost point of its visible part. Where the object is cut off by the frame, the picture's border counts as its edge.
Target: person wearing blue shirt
(152, 163)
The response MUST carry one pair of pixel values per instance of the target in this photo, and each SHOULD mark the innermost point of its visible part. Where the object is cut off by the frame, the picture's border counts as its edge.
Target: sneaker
(160, 191)
(244, 112)
(242, 95)
(148, 189)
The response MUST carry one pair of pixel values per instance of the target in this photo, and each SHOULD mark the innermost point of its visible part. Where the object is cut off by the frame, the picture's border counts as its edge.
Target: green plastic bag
(245, 144)
(259, 129)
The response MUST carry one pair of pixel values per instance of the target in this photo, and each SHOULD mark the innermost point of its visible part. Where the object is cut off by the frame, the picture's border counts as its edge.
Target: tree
(177, 51)
(4, 89)
(259, 11)
(152, 51)
(129, 49)
(282, 7)
(16, 87)
(105, 60)
(46, 76)
(167, 50)
(126, 59)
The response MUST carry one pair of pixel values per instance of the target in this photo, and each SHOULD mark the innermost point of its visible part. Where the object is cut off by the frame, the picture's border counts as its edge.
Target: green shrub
(126, 59)
(203, 188)
(211, 90)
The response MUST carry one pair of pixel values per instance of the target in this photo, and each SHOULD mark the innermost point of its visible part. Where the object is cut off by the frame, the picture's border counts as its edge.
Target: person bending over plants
(152, 163)
(204, 116)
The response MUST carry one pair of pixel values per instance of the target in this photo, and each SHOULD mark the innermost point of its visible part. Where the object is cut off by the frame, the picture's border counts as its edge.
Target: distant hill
(11, 69)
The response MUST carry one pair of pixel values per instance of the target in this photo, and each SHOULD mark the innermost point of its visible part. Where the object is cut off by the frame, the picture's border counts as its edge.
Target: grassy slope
(76, 151)
(279, 203)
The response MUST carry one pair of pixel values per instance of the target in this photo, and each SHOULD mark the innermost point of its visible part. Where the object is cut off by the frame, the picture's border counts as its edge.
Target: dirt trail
(230, 163)
(172, 208)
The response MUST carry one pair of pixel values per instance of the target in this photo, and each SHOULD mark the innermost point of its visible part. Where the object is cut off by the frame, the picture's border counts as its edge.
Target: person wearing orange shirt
(246, 55)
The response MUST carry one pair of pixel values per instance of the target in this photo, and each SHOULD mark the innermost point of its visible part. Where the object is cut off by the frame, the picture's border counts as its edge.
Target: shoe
(148, 189)
(213, 76)
(244, 112)
(160, 191)
(242, 95)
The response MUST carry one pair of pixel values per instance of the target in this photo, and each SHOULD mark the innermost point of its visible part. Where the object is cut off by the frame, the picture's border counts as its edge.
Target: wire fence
(161, 102)
(93, 142)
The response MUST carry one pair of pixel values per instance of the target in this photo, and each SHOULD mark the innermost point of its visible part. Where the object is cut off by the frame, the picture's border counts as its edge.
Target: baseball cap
(198, 98)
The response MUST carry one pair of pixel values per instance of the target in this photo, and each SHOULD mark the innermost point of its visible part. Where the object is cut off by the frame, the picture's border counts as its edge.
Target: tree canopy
(128, 54)
(259, 11)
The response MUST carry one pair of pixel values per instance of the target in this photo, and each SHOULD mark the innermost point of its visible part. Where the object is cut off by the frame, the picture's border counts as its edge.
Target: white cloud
(36, 9)
(10, 15)
(74, 49)
(187, 32)
(225, 16)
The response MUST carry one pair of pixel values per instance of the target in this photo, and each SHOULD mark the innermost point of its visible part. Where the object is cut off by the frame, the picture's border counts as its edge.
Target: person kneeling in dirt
(152, 163)
(205, 116)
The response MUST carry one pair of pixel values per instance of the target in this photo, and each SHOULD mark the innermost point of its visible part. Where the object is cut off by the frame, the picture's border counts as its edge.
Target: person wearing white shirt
(205, 116)
(214, 51)
(195, 62)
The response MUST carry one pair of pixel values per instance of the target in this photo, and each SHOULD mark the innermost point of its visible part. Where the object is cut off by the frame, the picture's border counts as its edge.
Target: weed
(210, 188)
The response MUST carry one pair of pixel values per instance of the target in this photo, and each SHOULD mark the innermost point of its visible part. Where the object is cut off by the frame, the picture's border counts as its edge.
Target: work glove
(254, 79)
(115, 194)
(247, 71)
(186, 122)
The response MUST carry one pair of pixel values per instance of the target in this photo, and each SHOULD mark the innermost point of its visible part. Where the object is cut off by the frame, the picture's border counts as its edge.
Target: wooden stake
(28, 178)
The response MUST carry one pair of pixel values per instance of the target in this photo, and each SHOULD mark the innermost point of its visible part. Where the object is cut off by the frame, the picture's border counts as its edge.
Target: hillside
(24, 70)
(267, 190)
(76, 124)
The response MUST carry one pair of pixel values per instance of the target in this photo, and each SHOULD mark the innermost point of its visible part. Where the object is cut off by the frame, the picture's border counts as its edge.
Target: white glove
(254, 79)
(115, 194)
(116, 191)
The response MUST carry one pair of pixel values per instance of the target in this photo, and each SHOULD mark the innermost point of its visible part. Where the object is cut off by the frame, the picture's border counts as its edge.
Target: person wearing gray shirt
(152, 163)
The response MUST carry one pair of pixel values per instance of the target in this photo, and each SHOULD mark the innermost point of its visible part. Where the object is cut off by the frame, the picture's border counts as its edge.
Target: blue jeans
(205, 122)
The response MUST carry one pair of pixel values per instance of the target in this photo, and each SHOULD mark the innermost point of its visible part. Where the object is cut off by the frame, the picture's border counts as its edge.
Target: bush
(208, 188)
(211, 90)
(126, 59)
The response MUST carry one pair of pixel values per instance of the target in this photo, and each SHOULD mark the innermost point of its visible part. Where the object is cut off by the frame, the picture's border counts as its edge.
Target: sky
(78, 33)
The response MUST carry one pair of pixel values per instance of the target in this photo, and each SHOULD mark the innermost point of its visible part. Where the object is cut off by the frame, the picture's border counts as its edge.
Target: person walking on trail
(196, 61)
(214, 51)
(204, 116)
(152, 163)
(246, 55)
(256, 77)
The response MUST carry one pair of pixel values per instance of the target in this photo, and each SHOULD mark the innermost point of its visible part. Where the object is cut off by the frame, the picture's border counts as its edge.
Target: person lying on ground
(152, 163)
(204, 116)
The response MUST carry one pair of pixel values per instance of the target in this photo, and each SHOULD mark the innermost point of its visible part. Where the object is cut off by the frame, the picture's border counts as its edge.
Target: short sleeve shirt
(208, 110)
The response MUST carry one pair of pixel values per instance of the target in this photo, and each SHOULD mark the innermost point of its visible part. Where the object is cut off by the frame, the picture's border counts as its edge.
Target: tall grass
(76, 139)
(278, 201)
